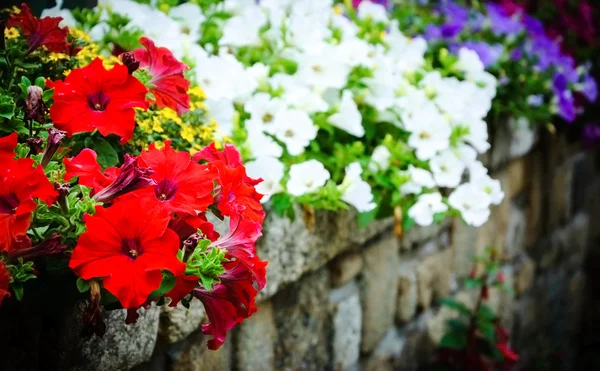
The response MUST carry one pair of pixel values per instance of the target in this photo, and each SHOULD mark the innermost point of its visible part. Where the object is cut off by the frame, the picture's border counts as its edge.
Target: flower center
(317, 68)
(165, 190)
(98, 101)
(186, 30)
(424, 135)
(8, 204)
(267, 118)
(289, 133)
(131, 247)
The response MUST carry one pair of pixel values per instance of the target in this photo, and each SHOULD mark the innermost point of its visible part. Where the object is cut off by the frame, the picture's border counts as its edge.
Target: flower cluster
(136, 226)
(536, 76)
(333, 105)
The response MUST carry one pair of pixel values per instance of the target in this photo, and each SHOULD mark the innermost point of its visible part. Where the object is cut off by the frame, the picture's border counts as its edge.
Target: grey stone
(347, 322)
(255, 341)
(179, 322)
(303, 324)
(434, 275)
(414, 237)
(524, 274)
(387, 353)
(122, 346)
(514, 242)
(561, 194)
(418, 348)
(193, 354)
(345, 268)
(294, 248)
(378, 303)
(407, 291)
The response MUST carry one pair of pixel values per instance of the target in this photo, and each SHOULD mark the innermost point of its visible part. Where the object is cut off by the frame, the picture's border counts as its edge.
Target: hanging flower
(182, 185)
(127, 244)
(4, 281)
(40, 32)
(168, 85)
(95, 98)
(7, 146)
(131, 177)
(20, 184)
(237, 194)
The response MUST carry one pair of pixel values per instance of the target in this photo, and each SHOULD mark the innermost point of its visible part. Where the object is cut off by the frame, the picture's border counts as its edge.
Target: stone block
(345, 268)
(303, 324)
(378, 303)
(514, 241)
(536, 199)
(386, 355)
(434, 276)
(347, 324)
(294, 248)
(524, 274)
(518, 176)
(583, 175)
(576, 299)
(560, 199)
(407, 291)
(193, 354)
(178, 323)
(123, 346)
(415, 236)
(592, 209)
(255, 341)
(418, 348)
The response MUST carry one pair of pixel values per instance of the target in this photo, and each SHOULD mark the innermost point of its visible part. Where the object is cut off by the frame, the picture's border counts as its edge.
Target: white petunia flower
(67, 17)
(295, 129)
(348, 118)
(262, 145)
(263, 109)
(469, 62)
(376, 12)
(426, 207)
(472, 203)
(478, 136)
(430, 133)
(357, 192)
(307, 177)
(490, 186)
(419, 179)
(476, 170)
(380, 159)
(447, 169)
(243, 29)
(271, 171)
(322, 68)
(222, 111)
(190, 18)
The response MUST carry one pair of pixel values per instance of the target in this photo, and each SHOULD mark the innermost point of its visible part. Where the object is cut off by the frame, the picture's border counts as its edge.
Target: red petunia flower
(95, 98)
(4, 281)
(128, 244)
(85, 165)
(40, 32)
(168, 85)
(237, 195)
(7, 146)
(183, 186)
(20, 183)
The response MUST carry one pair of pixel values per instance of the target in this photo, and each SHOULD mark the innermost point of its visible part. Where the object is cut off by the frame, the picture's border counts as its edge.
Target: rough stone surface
(255, 341)
(407, 291)
(178, 323)
(345, 268)
(524, 275)
(378, 303)
(387, 353)
(301, 318)
(414, 237)
(434, 275)
(193, 354)
(561, 195)
(122, 346)
(296, 247)
(347, 322)
(514, 241)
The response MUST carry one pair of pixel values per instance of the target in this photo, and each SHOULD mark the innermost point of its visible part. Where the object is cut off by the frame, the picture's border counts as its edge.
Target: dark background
(38, 5)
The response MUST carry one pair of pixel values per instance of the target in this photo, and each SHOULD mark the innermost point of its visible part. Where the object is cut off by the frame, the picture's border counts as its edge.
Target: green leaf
(486, 313)
(25, 81)
(488, 329)
(82, 285)
(167, 283)
(471, 283)
(107, 156)
(18, 291)
(47, 95)
(453, 340)
(364, 219)
(41, 82)
(7, 107)
(455, 305)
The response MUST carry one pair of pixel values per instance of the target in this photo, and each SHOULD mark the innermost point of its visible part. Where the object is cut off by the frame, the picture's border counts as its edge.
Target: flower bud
(51, 246)
(190, 245)
(34, 104)
(35, 145)
(55, 137)
(132, 177)
(92, 317)
(130, 62)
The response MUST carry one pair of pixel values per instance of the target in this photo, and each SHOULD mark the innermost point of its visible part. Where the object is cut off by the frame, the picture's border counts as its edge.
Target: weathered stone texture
(178, 323)
(345, 268)
(378, 302)
(255, 341)
(347, 324)
(193, 354)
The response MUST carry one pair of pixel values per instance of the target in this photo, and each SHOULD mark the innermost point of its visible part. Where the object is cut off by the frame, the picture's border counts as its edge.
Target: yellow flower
(382, 35)
(157, 125)
(55, 57)
(159, 144)
(145, 124)
(109, 62)
(197, 92)
(79, 34)
(169, 114)
(66, 72)
(15, 10)
(11, 33)
(87, 54)
(188, 133)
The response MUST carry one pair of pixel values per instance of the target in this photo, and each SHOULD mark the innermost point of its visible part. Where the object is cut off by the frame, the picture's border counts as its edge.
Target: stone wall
(342, 298)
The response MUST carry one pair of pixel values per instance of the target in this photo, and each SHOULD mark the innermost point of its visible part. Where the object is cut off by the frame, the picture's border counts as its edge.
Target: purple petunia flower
(489, 54)
(501, 22)
(589, 88)
(591, 134)
(565, 100)
(535, 100)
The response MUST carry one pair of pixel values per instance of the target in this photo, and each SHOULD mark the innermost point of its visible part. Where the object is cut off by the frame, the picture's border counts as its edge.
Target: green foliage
(20, 272)
(206, 264)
